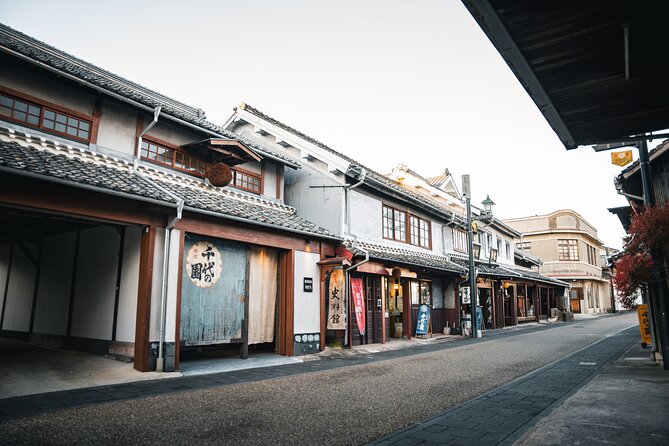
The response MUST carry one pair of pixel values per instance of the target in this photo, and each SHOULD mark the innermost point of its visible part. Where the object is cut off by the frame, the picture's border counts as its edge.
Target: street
(342, 406)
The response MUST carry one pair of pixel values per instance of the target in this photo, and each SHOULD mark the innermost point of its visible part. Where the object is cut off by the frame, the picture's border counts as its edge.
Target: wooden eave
(228, 151)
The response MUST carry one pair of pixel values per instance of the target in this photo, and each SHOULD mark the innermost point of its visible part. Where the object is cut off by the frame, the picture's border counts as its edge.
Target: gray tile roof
(495, 270)
(402, 256)
(60, 61)
(50, 165)
(372, 178)
(84, 169)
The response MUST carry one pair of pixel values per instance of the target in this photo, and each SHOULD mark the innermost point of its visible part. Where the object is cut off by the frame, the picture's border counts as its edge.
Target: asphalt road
(345, 406)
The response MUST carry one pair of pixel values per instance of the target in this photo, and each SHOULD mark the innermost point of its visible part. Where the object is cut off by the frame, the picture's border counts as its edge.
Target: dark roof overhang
(570, 57)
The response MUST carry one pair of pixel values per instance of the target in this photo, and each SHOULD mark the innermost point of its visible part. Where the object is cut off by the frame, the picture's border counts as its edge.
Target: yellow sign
(621, 158)
(644, 324)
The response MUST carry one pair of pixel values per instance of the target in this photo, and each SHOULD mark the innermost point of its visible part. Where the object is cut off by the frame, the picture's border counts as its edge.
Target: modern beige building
(570, 251)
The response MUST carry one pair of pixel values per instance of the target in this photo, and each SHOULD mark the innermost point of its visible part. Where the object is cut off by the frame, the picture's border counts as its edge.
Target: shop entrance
(575, 296)
(509, 299)
(485, 300)
(225, 284)
(395, 308)
(66, 283)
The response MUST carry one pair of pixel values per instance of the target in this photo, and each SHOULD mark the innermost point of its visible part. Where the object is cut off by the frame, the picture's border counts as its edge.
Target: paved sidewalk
(520, 411)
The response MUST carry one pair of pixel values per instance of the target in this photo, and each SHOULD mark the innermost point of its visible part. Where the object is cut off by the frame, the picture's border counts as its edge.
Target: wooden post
(143, 317)
(244, 349)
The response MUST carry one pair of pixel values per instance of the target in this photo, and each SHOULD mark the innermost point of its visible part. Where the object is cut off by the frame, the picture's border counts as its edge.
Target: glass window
(460, 240)
(567, 249)
(247, 181)
(394, 224)
(421, 292)
(51, 120)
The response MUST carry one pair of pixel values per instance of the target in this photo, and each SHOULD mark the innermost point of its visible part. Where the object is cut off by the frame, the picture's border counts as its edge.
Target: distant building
(570, 251)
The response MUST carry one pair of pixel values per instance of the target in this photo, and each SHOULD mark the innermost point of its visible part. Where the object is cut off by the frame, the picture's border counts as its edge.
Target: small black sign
(308, 284)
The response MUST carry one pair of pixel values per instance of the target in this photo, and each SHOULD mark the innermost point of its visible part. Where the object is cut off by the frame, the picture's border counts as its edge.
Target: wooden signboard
(423, 325)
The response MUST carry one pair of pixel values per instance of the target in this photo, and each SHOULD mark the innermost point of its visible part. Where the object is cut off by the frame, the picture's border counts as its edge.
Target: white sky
(384, 82)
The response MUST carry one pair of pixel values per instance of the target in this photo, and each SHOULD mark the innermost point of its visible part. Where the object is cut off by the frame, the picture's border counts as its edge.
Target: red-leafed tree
(648, 233)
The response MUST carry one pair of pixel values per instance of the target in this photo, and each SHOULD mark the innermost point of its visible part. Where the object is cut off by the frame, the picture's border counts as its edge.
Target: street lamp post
(486, 215)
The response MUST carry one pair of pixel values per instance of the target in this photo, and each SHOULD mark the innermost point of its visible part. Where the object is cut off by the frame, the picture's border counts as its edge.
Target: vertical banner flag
(644, 324)
(336, 307)
(621, 158)
(358, 296)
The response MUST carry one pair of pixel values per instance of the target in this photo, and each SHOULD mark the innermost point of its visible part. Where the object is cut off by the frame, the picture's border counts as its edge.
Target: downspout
(347, 214)
(347, 218)
(156, 113)
(160, 361)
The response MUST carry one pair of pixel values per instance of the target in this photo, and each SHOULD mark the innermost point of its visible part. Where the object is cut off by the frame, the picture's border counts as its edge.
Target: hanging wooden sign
(203, 264)
(621, 158)
(336, 306)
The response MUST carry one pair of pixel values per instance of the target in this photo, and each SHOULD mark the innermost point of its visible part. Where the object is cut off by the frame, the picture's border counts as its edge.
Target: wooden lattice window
(44, 118)
(248, 181)
(567, 249)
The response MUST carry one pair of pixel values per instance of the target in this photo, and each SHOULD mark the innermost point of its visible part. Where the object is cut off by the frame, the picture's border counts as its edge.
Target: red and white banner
(358, 297)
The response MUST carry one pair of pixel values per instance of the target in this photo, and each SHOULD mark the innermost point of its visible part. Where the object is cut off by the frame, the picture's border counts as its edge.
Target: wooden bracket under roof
(229, 151)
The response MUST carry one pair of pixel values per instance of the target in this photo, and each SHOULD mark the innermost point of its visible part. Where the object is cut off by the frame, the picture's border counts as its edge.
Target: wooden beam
(19, 191)
(143, 316)
(9, 272)
(245, 233)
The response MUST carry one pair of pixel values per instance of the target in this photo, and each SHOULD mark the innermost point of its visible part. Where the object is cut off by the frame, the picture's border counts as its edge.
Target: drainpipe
(348, 334)
(160, 362)
(156, 113)
(347, 214)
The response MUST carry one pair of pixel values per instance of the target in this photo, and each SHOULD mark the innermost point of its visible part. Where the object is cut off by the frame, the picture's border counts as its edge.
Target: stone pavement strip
(504, 414)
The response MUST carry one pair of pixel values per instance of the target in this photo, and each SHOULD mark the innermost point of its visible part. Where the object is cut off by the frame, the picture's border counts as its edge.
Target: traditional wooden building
(405, 235)
(133, 226)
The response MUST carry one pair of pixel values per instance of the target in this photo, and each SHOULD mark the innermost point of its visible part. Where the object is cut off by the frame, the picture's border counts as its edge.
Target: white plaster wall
(446, 239)
(20, 292)
(55, 284)
(166, 131)
(118, 126)
(269, 181)
(322, 206)
(251, 166)
(44, 88)
(156, 279)
(437, 240)
(365, 216)
(307, 305)
(127, 301)
(95, 284)
(437, 292)
(172, 287)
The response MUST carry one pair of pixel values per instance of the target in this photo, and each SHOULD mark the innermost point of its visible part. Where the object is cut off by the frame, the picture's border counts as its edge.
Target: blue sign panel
(423, 320)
